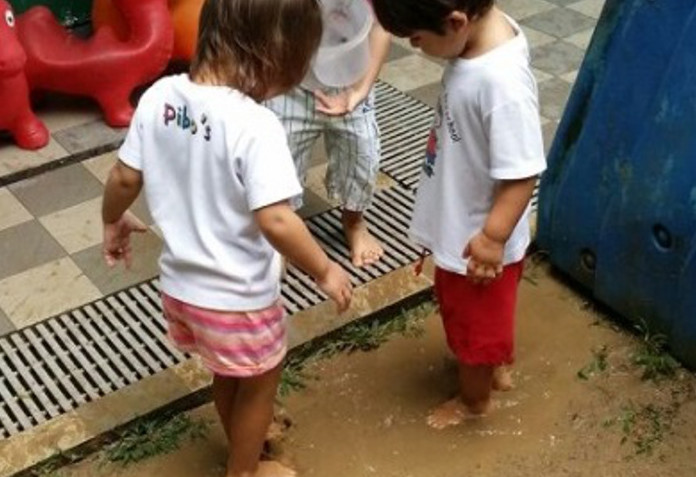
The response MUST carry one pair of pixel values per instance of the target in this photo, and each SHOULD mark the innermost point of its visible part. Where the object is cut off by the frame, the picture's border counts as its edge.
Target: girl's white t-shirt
(210, 156)
(486, 130)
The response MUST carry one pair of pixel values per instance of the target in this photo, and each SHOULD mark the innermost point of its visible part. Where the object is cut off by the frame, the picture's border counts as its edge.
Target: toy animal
(185, 15)
(102, 66)
(16, 115)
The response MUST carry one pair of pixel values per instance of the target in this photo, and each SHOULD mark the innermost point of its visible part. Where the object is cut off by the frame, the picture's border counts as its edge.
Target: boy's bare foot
(453, 412)
(502, 379)
(364, 248)
(272, 468)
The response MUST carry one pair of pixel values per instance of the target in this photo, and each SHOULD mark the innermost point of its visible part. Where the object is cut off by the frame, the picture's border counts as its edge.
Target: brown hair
(257, 46)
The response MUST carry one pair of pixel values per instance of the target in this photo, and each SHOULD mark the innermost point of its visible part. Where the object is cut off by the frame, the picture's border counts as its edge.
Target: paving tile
(57, 189)
(146, 251)
(570, 77)
(60, 112)
(559, 22)
(25, 246)
(100, 165)
(397, 51)
(14, 159)
(312, 204)
(562, 3)
(411, 72)
(541, 76)
(581, 39)
(591, 8)
(89, 136)
(12, 212)
(76, 228)
(536, 38)
(6, 326)
(521, 9)
(427, 94)
(557, 58)
(44, 291)
(553, 96)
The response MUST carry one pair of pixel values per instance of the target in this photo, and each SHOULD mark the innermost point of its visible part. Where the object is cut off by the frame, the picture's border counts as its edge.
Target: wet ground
(579, 408)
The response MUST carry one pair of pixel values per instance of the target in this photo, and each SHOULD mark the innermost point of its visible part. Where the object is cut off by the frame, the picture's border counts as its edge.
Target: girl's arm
(486, 249)
(288, 234)
(122, 188)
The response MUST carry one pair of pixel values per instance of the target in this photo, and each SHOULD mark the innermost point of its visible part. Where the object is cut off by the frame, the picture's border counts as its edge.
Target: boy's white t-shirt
(210, 156)
(486, 130)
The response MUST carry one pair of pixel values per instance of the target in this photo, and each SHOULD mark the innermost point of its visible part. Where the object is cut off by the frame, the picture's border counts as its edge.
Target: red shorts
(479, 320)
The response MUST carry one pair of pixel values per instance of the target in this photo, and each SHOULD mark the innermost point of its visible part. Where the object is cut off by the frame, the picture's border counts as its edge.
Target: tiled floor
(50, 228)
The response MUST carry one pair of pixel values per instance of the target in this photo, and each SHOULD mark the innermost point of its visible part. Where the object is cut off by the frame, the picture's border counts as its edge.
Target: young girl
(218, 176)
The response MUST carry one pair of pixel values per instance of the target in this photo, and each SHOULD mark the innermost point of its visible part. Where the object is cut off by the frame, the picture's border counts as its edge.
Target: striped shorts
(351, 141)
(233, 344)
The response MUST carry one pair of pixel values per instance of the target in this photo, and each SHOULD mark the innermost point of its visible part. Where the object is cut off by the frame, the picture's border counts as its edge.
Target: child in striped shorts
(345, 115)
(218, 175)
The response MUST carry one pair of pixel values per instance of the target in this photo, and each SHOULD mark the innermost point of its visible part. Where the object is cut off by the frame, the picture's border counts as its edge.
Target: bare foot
(450, 413)
(502, 379)
(272, 468)
(364, 248)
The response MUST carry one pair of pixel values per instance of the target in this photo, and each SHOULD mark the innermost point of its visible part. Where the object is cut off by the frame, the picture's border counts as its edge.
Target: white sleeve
(515, 141)
(130, 152)
(268, 171)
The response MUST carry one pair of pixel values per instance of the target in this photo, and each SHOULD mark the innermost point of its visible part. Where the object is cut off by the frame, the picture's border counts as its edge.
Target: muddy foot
(364, 248)
(450, 413)
(272, 468)
(502, 379)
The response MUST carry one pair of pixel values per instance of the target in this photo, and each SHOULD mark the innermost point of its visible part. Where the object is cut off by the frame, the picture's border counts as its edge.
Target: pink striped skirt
(234, 344)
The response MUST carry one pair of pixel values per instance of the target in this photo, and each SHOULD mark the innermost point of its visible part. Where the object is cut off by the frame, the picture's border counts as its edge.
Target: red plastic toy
(185, 15)
(102, 67)
(15, 113)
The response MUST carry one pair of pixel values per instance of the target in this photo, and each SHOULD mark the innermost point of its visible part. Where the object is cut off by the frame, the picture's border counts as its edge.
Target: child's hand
(116, 244)
(485, 258)
(339, 104)
(336, 284)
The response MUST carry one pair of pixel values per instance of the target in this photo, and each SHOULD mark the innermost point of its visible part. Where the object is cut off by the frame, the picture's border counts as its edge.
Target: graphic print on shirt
(431, 148)
(180, 118)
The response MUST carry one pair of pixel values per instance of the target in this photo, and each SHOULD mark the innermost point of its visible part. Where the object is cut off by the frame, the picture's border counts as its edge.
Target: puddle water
(365, 413)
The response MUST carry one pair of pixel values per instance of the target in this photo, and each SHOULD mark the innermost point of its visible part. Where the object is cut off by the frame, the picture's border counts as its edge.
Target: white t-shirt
(210, 156)
(486, 129)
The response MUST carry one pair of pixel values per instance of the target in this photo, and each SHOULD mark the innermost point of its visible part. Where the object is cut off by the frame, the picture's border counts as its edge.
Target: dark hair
(257, 45)
(403, 17)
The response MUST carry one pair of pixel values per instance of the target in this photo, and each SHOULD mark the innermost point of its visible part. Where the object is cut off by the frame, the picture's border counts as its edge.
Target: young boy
(482, 161)
(346, 117)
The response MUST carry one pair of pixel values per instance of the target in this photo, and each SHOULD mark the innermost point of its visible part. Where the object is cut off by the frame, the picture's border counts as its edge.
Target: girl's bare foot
(364, 248)
(502, 379)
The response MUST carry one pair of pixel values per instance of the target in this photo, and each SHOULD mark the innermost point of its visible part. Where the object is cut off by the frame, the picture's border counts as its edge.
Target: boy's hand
(485, 258)
(116, 245)
(336, 284)
(339, 104)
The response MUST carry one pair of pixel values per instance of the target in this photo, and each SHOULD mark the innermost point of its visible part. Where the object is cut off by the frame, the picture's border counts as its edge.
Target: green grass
(652, 357)
(597, 365)
(645, 426)
(362, 335)
(151, 437)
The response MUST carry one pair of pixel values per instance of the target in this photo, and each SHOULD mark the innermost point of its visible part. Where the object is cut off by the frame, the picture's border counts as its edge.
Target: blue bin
(617, 207)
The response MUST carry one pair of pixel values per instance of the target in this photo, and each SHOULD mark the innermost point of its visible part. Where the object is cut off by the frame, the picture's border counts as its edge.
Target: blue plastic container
(617, 207)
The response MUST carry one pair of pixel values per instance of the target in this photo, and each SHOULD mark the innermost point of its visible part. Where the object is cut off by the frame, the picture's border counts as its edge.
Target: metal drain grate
(54, 366)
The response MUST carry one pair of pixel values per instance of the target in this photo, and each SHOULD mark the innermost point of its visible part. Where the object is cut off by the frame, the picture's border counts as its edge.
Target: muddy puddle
(364, 414)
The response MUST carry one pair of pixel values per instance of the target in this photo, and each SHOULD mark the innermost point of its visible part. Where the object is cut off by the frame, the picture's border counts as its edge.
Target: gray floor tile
(146, 251)
(26, 246)
(549, 131)
(557, 58)
(140, 209)
(6, 326)
(553, 97)
(88, 136)
(56, 190)
(312, 205)
(562, 3)
(397, 51)
(427, 94)
(559, 22)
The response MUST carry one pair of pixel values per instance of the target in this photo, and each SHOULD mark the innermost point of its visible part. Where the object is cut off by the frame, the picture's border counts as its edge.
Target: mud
(364, 414)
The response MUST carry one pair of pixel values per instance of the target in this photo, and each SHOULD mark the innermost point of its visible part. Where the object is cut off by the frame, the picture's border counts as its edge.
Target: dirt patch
(364, 414)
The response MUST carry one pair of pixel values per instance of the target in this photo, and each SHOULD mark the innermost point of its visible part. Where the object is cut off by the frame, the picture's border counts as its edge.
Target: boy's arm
(342, 104)
(122, 188)
(288, 234)
(486, 249)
